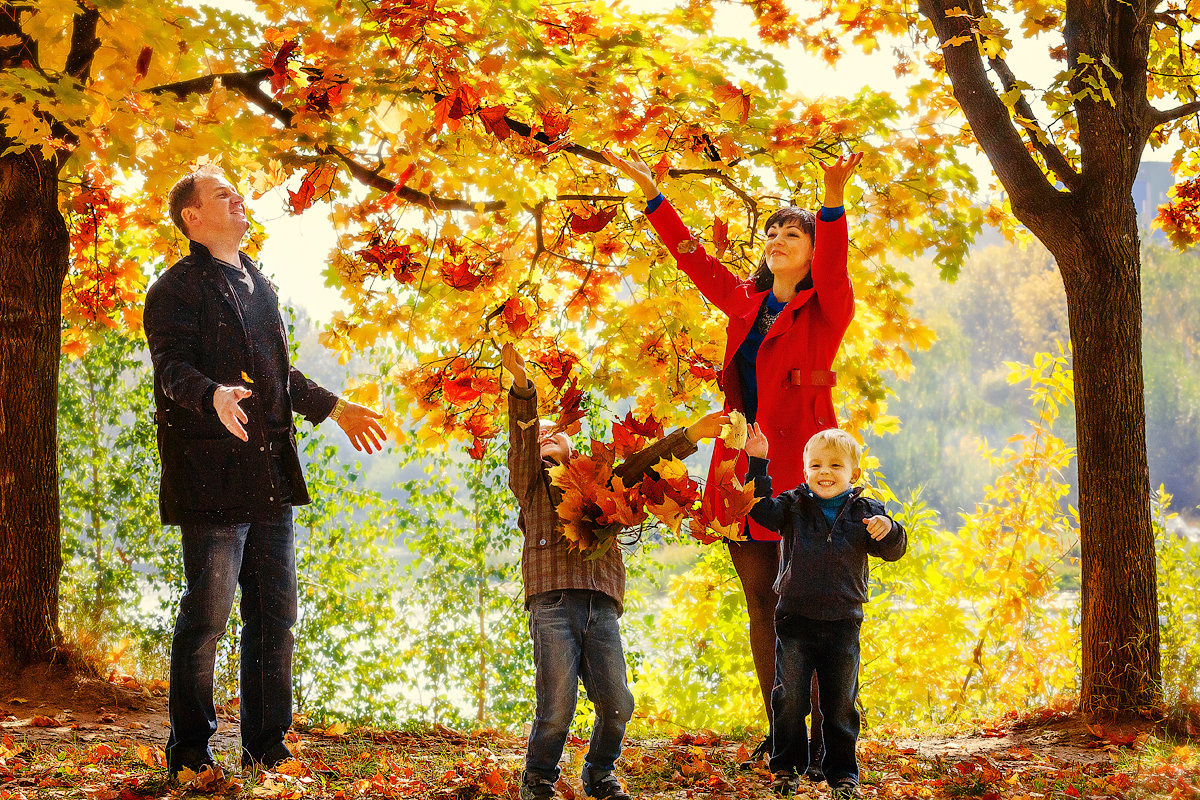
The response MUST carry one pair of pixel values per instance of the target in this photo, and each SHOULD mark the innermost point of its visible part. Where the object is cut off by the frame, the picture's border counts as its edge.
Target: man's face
(827, 470)
(553, 445)
(220, 212)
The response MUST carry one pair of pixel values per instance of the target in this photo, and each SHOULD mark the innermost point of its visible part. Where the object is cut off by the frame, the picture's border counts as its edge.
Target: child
(828, 530)
(573, 600)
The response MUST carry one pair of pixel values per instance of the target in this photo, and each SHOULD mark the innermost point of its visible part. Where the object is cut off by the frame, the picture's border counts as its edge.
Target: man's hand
(225, 403)
(359, 423)
(837, 175)
(878, 526)
(511, 360)
(707, 427)
(756, 442)
(635, 169)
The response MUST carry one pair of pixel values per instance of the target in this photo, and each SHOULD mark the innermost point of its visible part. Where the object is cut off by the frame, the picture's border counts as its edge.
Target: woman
(785, 326)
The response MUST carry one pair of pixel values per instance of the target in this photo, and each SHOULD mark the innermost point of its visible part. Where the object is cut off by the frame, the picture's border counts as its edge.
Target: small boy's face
(827, 470)
(555, 446)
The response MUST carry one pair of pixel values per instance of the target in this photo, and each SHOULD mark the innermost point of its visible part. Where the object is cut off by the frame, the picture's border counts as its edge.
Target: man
(224, 394)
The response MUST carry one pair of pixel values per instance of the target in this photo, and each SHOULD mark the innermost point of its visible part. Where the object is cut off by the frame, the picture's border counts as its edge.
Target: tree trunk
(1120, 636)
(34, 253)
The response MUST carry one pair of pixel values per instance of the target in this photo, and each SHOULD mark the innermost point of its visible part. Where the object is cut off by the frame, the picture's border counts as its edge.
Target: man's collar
(202, 251)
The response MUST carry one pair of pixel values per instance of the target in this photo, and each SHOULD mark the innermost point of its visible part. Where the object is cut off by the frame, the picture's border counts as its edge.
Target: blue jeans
(831, 650)
(261, 558)
(576, 636)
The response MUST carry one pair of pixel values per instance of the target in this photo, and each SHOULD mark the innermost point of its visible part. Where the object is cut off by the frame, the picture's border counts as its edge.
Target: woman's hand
(756, 442)
(707, 427)
(635, 169)
(837, 175)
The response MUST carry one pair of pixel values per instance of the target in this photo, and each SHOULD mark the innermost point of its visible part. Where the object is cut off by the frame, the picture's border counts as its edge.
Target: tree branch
(990, 120)
(1163, 117)
(83, 44)
(1055, 160)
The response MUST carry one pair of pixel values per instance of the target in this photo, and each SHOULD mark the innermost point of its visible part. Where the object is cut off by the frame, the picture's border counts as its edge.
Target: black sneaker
(762, 751)
(784, 783)
(607, 788)
(271, 758)
(814, 774)
(845, 789)
(534, 788)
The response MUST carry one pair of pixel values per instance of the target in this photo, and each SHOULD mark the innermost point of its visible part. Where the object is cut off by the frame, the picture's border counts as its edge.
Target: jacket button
(261, 449)
(272, 499)
(543, 541)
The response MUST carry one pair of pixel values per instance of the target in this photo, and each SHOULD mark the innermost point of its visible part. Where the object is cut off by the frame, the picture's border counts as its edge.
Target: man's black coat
(198, 340)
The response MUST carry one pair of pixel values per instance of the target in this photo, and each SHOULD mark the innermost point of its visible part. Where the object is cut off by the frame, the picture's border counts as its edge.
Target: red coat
(795, 384)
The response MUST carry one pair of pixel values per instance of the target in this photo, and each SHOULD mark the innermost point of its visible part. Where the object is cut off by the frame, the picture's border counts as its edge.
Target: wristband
(338, 409)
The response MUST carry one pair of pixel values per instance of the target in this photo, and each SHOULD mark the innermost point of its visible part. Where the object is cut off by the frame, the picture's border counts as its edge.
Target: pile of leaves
(597, 505)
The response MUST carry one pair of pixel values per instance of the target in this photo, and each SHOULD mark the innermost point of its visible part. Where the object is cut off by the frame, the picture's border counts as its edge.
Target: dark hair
(802, 218)
(183, 195)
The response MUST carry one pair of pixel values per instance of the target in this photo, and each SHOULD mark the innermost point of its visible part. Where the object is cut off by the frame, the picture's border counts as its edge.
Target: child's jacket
(823, 571)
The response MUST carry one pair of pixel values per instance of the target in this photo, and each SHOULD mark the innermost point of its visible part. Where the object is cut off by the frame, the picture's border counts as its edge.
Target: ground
(101, 740)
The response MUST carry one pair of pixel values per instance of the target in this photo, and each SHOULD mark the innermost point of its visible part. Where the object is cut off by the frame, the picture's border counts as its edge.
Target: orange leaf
(720, 236)
(143, 62)
(494, 122)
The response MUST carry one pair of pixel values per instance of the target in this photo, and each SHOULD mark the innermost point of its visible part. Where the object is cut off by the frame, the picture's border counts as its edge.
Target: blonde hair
(838, 440)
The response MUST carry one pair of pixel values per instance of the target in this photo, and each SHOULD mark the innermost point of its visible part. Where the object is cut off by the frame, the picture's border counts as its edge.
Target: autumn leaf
(720, 236)
(733, 102)
(478, 449)
(280, 74)
(734, 433)
(494, 122)
(595, 222)
(459, 276)
(143, 61)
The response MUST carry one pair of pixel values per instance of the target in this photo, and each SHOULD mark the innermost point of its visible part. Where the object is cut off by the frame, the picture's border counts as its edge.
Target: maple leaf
(494, 122)
(652, 427)
(460, 390)
(143, 61)
(478, 449)
(595, 222)
(734, 103)
(555, 123)
(720, 236)
(625, 441)
(459, 276)
(517, 316)
(279, 66)
(557, 364)
(301, 198)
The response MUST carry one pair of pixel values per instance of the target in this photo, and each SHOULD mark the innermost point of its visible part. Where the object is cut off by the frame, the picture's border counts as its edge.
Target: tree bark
(34, 254)
(1120, 637)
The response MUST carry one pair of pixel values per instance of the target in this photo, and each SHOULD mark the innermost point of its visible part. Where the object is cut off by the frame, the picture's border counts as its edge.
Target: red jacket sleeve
(711, 277)
(831, 280)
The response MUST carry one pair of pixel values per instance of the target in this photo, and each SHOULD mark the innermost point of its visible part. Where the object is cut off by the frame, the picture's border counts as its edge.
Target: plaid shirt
(548, 563)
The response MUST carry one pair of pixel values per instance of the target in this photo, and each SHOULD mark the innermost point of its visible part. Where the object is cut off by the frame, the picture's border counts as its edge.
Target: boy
(573, 601)
(828, 530)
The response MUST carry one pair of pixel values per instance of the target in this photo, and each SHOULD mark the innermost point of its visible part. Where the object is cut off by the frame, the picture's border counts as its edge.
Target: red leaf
(555, 123)
(516, 317)
(651, 428)
(478, 448)
(661, 169)
(279, 67)
(493, 120)
(302, 199)
(405, 175)
(459, 276)
(460, 391)
(143, 62)
(594, 223)
(720, 236)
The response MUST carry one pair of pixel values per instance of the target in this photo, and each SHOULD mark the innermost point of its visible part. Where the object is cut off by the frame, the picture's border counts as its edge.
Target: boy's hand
(511, 360)
(837, 175)
(756, 442)
(707, 427)
(878, 526)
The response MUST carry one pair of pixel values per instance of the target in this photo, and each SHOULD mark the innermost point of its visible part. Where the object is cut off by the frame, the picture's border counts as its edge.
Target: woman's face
(788, 251)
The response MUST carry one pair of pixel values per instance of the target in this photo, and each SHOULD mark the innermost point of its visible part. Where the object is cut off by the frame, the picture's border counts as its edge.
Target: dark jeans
(576, 636)
(261, 558)
(831, 650)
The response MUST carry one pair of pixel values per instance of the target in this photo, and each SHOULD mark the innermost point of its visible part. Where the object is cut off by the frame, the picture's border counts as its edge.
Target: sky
(298, 247)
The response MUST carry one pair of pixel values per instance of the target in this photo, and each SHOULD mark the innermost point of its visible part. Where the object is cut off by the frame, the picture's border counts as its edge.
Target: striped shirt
(548, 562)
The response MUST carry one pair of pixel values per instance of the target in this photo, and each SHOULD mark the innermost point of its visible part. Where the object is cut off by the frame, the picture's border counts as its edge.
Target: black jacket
(823, 571)
(194, 325)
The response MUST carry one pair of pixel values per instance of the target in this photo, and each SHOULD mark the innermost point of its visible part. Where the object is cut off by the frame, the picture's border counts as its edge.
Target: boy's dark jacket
(823, 572)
